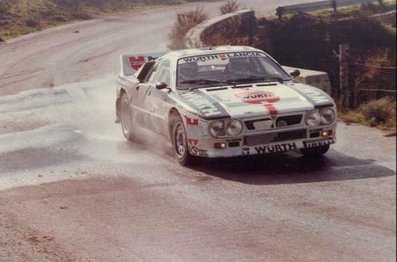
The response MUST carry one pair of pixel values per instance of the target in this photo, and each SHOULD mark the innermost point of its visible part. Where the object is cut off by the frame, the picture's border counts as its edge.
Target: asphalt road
(72, 189)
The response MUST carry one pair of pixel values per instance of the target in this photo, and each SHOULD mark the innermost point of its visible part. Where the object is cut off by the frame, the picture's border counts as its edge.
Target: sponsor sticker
(191, 121)
(137, 61)
(257, 96)
(267, 98)
(317, 143)
(222, 56)
(275, 148)
(193, 142)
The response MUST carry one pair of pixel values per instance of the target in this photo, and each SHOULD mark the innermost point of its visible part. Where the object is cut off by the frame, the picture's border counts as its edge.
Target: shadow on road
(290, 168)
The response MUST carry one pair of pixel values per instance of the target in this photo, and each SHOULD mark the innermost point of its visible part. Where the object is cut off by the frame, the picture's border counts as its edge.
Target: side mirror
(161, 85)
(295, 73)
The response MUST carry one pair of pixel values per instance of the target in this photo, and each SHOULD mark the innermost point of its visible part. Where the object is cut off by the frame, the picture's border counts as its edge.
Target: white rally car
(223, 102)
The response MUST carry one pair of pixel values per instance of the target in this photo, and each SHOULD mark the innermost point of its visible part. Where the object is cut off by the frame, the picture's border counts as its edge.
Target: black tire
(315, 151)
(126, 117)
(179, 143)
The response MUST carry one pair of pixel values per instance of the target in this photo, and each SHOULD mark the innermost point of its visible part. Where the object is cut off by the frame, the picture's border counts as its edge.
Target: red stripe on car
(272, 110)
(192, 121)
(193, 142)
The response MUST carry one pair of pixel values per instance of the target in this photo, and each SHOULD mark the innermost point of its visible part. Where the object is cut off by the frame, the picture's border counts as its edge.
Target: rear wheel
(179, 142)
(126, 117)
(315, 151)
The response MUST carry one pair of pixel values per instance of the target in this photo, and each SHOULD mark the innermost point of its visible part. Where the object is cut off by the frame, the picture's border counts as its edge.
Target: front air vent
(274, 137)
(291, 120)
(252, 124)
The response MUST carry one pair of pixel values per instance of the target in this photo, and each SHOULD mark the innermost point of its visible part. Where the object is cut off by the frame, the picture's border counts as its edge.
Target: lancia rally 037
(223, 102)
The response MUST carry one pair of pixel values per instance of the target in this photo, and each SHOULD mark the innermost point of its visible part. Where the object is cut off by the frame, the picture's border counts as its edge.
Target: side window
(152, 73)
(164, 73)
(143, 72)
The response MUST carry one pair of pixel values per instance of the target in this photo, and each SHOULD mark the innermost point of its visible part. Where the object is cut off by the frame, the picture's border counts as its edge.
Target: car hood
(260, 99)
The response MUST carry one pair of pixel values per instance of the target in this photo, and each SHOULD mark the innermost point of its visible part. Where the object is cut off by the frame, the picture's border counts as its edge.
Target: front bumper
(244, 146)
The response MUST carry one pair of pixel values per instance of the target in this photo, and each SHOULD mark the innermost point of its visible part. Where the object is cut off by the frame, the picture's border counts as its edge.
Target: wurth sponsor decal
(222, 56)
(191, 121)
(267, 98)
(317, 143)
(257, 96)
(275, 148)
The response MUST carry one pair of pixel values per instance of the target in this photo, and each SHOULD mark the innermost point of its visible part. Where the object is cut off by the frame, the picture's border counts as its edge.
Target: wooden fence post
(334, 5)
(344, 87)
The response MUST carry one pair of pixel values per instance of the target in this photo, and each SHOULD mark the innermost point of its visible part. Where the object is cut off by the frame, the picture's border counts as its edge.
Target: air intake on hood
(269, 84)
(242, 86)
(215, 89)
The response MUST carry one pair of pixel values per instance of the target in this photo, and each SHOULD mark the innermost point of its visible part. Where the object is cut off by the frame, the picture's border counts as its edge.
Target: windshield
(227, 68)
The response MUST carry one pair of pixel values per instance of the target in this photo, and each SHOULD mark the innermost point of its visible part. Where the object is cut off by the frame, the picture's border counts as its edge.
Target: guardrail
(328, 4)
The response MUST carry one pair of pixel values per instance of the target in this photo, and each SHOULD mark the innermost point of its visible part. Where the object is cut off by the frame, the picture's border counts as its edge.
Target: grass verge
(379, 113)
(19, 17)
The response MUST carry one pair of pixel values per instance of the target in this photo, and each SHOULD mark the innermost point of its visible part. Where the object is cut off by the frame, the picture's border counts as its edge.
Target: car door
(155, 98)
(143, 88)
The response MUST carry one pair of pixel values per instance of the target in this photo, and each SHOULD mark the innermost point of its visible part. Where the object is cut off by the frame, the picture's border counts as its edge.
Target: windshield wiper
(245, 79)
(274, 78)
(201, 81)
(248, 79)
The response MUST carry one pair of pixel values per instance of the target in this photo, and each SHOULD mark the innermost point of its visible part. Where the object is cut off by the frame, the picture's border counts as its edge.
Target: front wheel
(179, 142)
(315, 151)
(126, 117)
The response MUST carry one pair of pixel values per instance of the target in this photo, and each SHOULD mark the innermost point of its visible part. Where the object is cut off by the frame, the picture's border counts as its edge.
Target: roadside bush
(183, 24)
(230, 6)
(234, 31)
(311, 42)
(5, 6)
(373, 71)
(380, 112)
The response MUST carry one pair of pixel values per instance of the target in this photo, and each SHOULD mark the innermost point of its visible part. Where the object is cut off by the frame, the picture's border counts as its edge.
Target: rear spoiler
(131, 63)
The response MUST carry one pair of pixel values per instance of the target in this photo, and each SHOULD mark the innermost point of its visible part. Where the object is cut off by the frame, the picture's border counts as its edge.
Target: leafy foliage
(379, 113)
(230, 6)
(183, 24)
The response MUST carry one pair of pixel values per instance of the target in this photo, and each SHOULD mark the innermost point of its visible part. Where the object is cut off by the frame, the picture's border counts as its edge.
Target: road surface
(72, 189)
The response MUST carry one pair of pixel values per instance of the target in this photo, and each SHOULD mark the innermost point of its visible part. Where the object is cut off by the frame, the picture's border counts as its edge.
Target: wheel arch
(173, 114)
(119, 95)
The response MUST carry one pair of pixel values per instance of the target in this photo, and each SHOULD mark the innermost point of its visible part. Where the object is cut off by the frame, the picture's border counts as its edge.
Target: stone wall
(195, 35)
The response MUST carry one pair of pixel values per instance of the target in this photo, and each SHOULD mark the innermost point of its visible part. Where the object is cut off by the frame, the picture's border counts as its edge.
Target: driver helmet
(188, 70)
(239, 66)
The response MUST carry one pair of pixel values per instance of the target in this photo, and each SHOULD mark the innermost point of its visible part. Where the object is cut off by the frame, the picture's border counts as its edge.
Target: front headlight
(216, 128)
(327, 116)
(234, 127)
(313, 118)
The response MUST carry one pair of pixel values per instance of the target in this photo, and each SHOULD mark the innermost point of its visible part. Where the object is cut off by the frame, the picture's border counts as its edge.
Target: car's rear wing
(131, 63)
